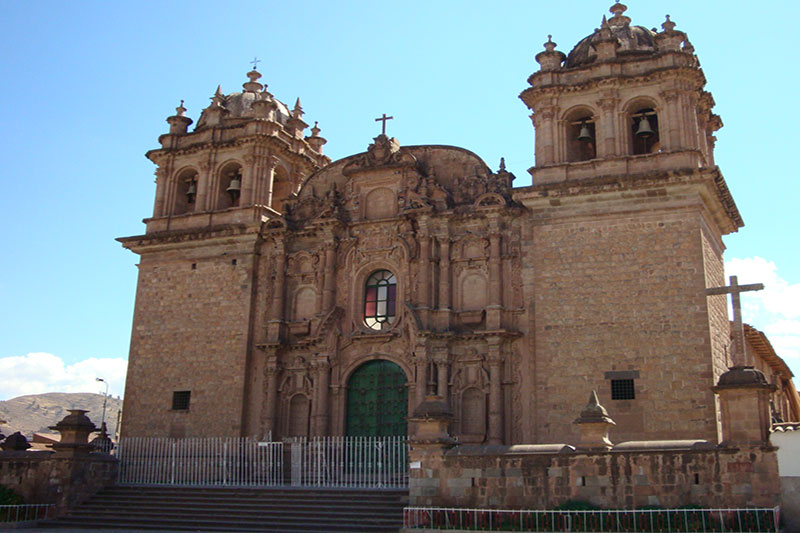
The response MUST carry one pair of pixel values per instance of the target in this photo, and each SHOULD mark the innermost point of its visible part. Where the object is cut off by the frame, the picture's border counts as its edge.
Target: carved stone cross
(734, 289)
(383, 119)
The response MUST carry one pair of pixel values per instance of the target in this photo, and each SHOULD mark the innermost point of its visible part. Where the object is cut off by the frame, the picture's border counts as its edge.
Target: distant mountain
(33, 413)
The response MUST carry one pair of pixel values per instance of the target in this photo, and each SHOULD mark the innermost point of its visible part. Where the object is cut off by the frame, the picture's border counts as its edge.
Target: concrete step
(238, 509)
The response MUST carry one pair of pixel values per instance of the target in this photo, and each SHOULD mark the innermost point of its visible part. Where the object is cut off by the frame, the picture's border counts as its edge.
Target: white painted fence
(370, 462)
(366, 462)
(200, 461)
(29, 512)
(617, 521)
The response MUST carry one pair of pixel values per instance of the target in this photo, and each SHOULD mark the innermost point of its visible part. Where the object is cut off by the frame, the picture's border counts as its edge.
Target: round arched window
(380, 299)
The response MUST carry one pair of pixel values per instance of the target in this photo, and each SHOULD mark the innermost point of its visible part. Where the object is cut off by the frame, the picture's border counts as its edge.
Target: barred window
(180, 400)
(380, 299)
(622, 389)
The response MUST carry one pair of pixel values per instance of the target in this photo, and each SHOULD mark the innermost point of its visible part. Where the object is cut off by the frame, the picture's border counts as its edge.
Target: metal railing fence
(618, 521)
(200, 461)
(365, 462)
(26, 512)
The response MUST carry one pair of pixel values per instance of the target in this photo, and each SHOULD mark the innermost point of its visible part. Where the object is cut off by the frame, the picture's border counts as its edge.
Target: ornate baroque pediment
(384, 152)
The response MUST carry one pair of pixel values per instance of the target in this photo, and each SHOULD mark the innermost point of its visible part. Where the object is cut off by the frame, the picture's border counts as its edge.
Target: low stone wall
(44, 477)
(631, 475)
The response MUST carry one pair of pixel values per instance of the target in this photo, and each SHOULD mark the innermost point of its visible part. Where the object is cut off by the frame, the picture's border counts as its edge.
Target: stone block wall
(615, 297)
(190, 333)
(540, 477)
(42, 477)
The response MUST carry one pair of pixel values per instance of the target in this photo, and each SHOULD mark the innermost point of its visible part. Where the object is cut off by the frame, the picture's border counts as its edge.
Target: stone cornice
(310, 159)
(633, 188)
(558, 86)
(173, 239)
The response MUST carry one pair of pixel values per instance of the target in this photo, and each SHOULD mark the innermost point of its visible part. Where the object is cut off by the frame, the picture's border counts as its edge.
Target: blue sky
(86, 87)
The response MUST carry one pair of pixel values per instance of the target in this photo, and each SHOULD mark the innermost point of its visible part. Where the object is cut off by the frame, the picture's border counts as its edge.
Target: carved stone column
(321, 404)
(249, 177)
(495, 392)
(545, 126)
(442, 369)
(161, 192)
(272, 164)
(271, 395)
(329, 280)
(606, 134)
(494, 309)
(278, 294)
(444, 273)
(421, 360)
(201, 203)
(424, 272)
(669, 124)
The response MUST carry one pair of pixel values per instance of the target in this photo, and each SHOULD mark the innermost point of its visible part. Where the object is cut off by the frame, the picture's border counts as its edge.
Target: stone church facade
(283, 294)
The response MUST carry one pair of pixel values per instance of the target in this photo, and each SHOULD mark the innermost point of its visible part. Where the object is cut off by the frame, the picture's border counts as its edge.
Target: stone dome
(240, 104)
(633, 41)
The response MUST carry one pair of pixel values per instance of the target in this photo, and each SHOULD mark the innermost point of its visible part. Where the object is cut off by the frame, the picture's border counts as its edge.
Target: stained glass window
(380, 299)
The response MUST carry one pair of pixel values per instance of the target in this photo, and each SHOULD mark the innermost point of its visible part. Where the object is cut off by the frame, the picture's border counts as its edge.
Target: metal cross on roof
(734, 289)
(383, 119)
(255, 62)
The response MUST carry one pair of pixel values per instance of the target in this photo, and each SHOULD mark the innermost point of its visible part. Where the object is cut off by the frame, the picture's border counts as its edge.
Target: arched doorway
(377, 400)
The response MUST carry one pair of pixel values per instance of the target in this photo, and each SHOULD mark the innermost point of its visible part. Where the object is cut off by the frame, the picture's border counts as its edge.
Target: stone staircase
(238, 509)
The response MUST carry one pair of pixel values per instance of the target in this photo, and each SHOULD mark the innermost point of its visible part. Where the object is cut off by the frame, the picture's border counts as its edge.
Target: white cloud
(775, 310)
(40, 372)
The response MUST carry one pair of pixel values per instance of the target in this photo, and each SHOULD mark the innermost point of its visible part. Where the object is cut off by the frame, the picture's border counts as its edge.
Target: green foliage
(577, 505)
(9, 497)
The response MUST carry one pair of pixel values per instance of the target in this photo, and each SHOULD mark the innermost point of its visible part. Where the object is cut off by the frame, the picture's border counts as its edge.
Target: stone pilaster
(322, 369)
(329, 276)
(495, 361)
(274, 327)
(272, 371)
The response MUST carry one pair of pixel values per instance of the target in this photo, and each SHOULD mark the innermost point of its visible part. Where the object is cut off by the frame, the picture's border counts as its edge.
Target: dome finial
(502, 164)
(619, 19)
(550, 45)
(252, 85)
(668, 24)
(180, 110)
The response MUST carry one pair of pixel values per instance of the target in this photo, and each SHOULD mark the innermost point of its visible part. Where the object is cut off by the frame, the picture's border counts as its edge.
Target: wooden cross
(383, 119)
(255, 62)
(734, 289)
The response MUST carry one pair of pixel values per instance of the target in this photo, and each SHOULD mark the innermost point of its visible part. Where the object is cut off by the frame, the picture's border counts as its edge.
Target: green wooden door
(377, 400)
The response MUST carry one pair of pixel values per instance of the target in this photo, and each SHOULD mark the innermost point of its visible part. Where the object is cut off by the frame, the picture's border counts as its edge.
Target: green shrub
(9, 497)
(577, 505)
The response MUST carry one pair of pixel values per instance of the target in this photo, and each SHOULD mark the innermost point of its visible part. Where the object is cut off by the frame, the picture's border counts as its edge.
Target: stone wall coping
(16, 455)
(560, 449)
(517, 449)
(637, 445)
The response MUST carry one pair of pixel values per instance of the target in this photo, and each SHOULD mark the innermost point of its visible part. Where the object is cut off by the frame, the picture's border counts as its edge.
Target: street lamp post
(105, 399)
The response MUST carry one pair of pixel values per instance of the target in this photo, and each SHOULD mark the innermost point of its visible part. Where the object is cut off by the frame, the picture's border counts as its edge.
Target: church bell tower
(627, 213)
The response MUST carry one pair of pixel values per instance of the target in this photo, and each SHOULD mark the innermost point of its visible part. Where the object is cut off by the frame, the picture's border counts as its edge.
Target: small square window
(180, 400)
(622, 389)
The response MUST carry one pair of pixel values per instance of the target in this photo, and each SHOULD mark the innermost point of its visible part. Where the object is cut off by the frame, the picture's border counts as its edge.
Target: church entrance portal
(377, 400)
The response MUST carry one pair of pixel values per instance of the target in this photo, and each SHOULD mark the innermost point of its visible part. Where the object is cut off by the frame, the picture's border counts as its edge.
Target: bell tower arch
(623, 92)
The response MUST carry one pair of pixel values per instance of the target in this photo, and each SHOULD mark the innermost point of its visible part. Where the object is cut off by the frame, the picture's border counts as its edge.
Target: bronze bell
(191, 191)
(585, 134)
(644, 129)
(235, 187)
